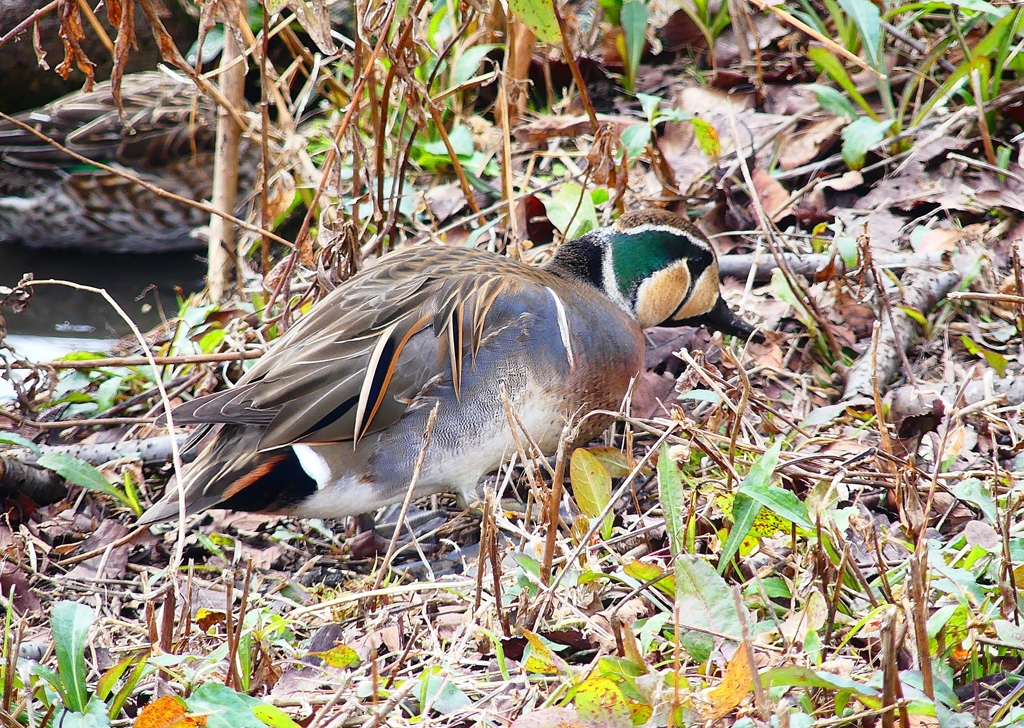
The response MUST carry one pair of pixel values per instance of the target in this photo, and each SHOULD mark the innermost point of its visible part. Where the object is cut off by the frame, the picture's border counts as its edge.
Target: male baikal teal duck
(167, 137)
(330, 422)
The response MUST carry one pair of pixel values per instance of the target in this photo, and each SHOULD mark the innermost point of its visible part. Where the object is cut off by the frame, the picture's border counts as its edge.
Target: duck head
(656, 266)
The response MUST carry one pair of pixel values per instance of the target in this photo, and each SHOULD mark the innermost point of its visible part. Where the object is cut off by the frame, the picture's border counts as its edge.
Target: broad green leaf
(106, 393)
(70, 623)
(860, 136)
(209, 342)
(975, 492)
(571, 211)
(673, 500)
(847, 247)
(224, 707)
(635, 139)
(78, 472)
(649, 104)
(592, 486)
(95, 716)
(538, 16)
(704, 600)
(779, 501)
(616, 462)
(443, 695)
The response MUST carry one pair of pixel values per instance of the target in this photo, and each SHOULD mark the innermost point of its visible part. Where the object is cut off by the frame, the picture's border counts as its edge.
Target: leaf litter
(823, 529)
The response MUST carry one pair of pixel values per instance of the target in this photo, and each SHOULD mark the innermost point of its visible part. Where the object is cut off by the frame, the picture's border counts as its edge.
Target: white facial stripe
(314, 464)
(611, 284)
(563, 326)
(698, 241)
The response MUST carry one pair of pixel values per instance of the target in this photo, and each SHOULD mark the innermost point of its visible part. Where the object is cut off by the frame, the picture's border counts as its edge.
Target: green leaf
(918, 317)
(778, 500)
(832, 66)
(648, 572)
(868, 20)
(443, 694)
(109, 679)
(211, 340)
(10, 438)
(805, 677)
(860, 136)
(70, 623)
(600, 702)
(470, 61)
(847, 247)
(673, 500)
(707, 138)
(833, 101)
(633, 17)
(106, 393)
(538, 16)
(592, 486)
(704, 599)
(994, 359)
(744, 511)
(273, 716)
(823, 415)
(528, 564)
(79, 473)
(649, 104)
(95, 716)
(571, 211)
(975, 492)
(224, 707)
(635, 139)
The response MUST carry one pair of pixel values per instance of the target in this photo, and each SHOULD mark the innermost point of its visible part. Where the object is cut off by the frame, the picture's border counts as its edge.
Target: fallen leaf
(729, 693)
(167, 712)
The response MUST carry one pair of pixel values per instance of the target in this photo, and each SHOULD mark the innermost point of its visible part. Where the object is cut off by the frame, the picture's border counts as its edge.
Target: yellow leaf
(599, 701)
(542, 660)
(734, 686)
(592, 486)
(538, 16)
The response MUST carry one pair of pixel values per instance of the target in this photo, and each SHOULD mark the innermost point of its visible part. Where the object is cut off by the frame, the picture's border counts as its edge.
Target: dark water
(143, 285)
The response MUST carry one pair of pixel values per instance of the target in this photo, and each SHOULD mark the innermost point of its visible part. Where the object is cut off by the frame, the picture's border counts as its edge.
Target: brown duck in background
(48, 199)
(330, 421)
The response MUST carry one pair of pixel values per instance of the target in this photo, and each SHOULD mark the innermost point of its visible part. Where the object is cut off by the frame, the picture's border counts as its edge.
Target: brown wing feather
(335, 376)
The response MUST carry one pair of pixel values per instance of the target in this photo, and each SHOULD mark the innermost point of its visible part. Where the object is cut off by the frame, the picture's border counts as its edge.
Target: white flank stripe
(563, 327)
(314, 464)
